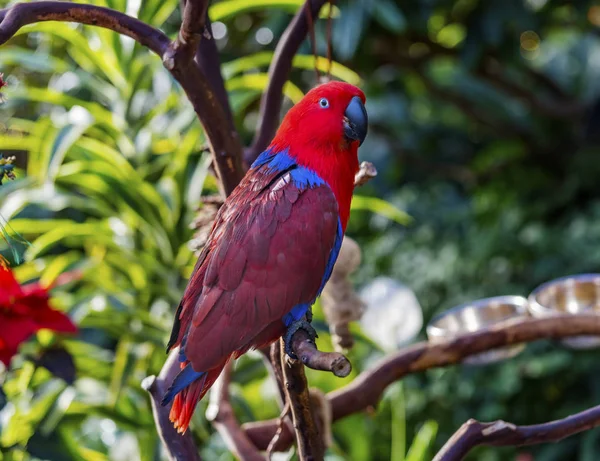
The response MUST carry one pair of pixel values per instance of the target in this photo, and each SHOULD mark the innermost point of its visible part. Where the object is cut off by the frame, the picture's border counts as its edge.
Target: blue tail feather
(185, 377)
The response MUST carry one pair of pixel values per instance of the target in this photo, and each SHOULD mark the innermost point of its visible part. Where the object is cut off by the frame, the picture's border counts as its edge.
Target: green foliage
(470, 130)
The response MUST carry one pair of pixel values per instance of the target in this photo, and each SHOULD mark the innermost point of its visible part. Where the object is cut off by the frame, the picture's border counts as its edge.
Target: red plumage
(270, 245)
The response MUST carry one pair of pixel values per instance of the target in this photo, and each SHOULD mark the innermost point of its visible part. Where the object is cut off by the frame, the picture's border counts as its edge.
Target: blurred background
(485, 129)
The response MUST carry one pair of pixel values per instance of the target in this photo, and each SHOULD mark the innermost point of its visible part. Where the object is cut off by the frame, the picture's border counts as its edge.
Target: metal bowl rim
(519, 302)
(536, 309)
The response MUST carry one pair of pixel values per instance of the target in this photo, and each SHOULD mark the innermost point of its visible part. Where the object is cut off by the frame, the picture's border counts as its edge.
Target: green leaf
(397, 403)
(264, 58)
(419, 449)
(381, 207)
(80, 50)
(32, 61)
(259, 82)
(229, 8)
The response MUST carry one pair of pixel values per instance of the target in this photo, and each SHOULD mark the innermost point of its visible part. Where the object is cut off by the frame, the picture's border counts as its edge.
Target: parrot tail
(187, 390)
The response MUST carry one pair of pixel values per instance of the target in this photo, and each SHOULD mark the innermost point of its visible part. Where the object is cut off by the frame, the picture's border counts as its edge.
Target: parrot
(272, 245)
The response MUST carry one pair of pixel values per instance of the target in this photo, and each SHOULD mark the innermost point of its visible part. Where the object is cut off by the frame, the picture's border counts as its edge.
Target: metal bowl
(478, 315)
(575, 294)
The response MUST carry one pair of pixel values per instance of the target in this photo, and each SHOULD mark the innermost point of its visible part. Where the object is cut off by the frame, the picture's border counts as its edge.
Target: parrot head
(331, 116)
(323, 132)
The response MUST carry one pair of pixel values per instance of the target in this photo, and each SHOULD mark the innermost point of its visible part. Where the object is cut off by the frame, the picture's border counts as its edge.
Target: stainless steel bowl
(575, 294)
(478, 315)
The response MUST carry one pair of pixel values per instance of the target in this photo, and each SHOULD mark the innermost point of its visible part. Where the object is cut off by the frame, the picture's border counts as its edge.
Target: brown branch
(307, 352)
(366, 172)
(21, 14)
(192, 26)
(220, 413)
(223, 142)
(366, 390)
(502, 434)
(207, 57)
(279, 71)
(282, 421)
(309, 440)
(179, 447)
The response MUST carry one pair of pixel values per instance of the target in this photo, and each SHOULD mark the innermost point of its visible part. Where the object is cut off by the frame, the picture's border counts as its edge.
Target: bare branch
(207, 57)
(308, 438)
(224, 142)
(220, 413)
(192, 26)
(179, 447)
(279, 71)
(366, 172)
(21, 14)
(366, 390)
(501, 434)
(309, 355)
(282, 421)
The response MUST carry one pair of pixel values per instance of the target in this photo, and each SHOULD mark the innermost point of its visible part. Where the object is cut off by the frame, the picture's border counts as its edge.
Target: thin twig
(179, 447)
(330, 39)
(366, 172)
(308, 438)
(282, 422)
(366, 390)
(21, 14)
(312, 38)
(279, 71)
(502, 434)
(220, 413)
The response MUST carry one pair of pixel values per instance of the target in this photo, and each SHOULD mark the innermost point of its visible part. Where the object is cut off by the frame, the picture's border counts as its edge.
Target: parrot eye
(324, 103)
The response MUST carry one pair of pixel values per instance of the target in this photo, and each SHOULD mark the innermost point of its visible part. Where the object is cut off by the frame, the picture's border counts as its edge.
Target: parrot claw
(301, 324)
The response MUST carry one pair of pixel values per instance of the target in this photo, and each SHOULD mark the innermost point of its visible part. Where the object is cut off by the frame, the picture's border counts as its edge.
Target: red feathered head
(331, 116)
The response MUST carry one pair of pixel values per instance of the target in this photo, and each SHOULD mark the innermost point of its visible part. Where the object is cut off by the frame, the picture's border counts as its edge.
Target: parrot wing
(271, 250)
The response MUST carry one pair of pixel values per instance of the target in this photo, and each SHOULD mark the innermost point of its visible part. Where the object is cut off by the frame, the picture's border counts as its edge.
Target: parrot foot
(301, 324)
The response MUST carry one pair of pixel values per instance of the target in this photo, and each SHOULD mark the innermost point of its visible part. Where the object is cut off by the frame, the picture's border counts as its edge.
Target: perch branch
(308, 438)
(306, 350)
(279, 71)
(500, 434)
(366, 172)
(192, 26)
(220, 413)
(366, 390)
(179, 447)
(21, 14)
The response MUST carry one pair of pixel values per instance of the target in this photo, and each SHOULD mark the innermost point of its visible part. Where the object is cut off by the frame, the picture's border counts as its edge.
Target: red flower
(24, 311)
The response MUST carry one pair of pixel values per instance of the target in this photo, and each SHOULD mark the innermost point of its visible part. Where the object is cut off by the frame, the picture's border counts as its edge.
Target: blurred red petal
(15, 330)
(5, 356)
(54, 320)
(9, 287)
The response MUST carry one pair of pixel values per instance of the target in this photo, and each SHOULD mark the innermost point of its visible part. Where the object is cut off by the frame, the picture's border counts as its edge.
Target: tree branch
(279, 71)
(366, 390)
(179, 447)
(192, 26)
(306, 350)
(207, 57)
(308, 438)
(220, 413)
(223, 141)
(21, 14)
(366, 172)
(501, 434)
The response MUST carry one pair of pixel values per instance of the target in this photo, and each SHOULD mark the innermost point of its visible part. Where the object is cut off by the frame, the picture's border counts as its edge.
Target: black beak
(356, 120)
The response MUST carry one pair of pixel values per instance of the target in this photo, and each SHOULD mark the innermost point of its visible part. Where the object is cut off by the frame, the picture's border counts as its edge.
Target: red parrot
(273, 244)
